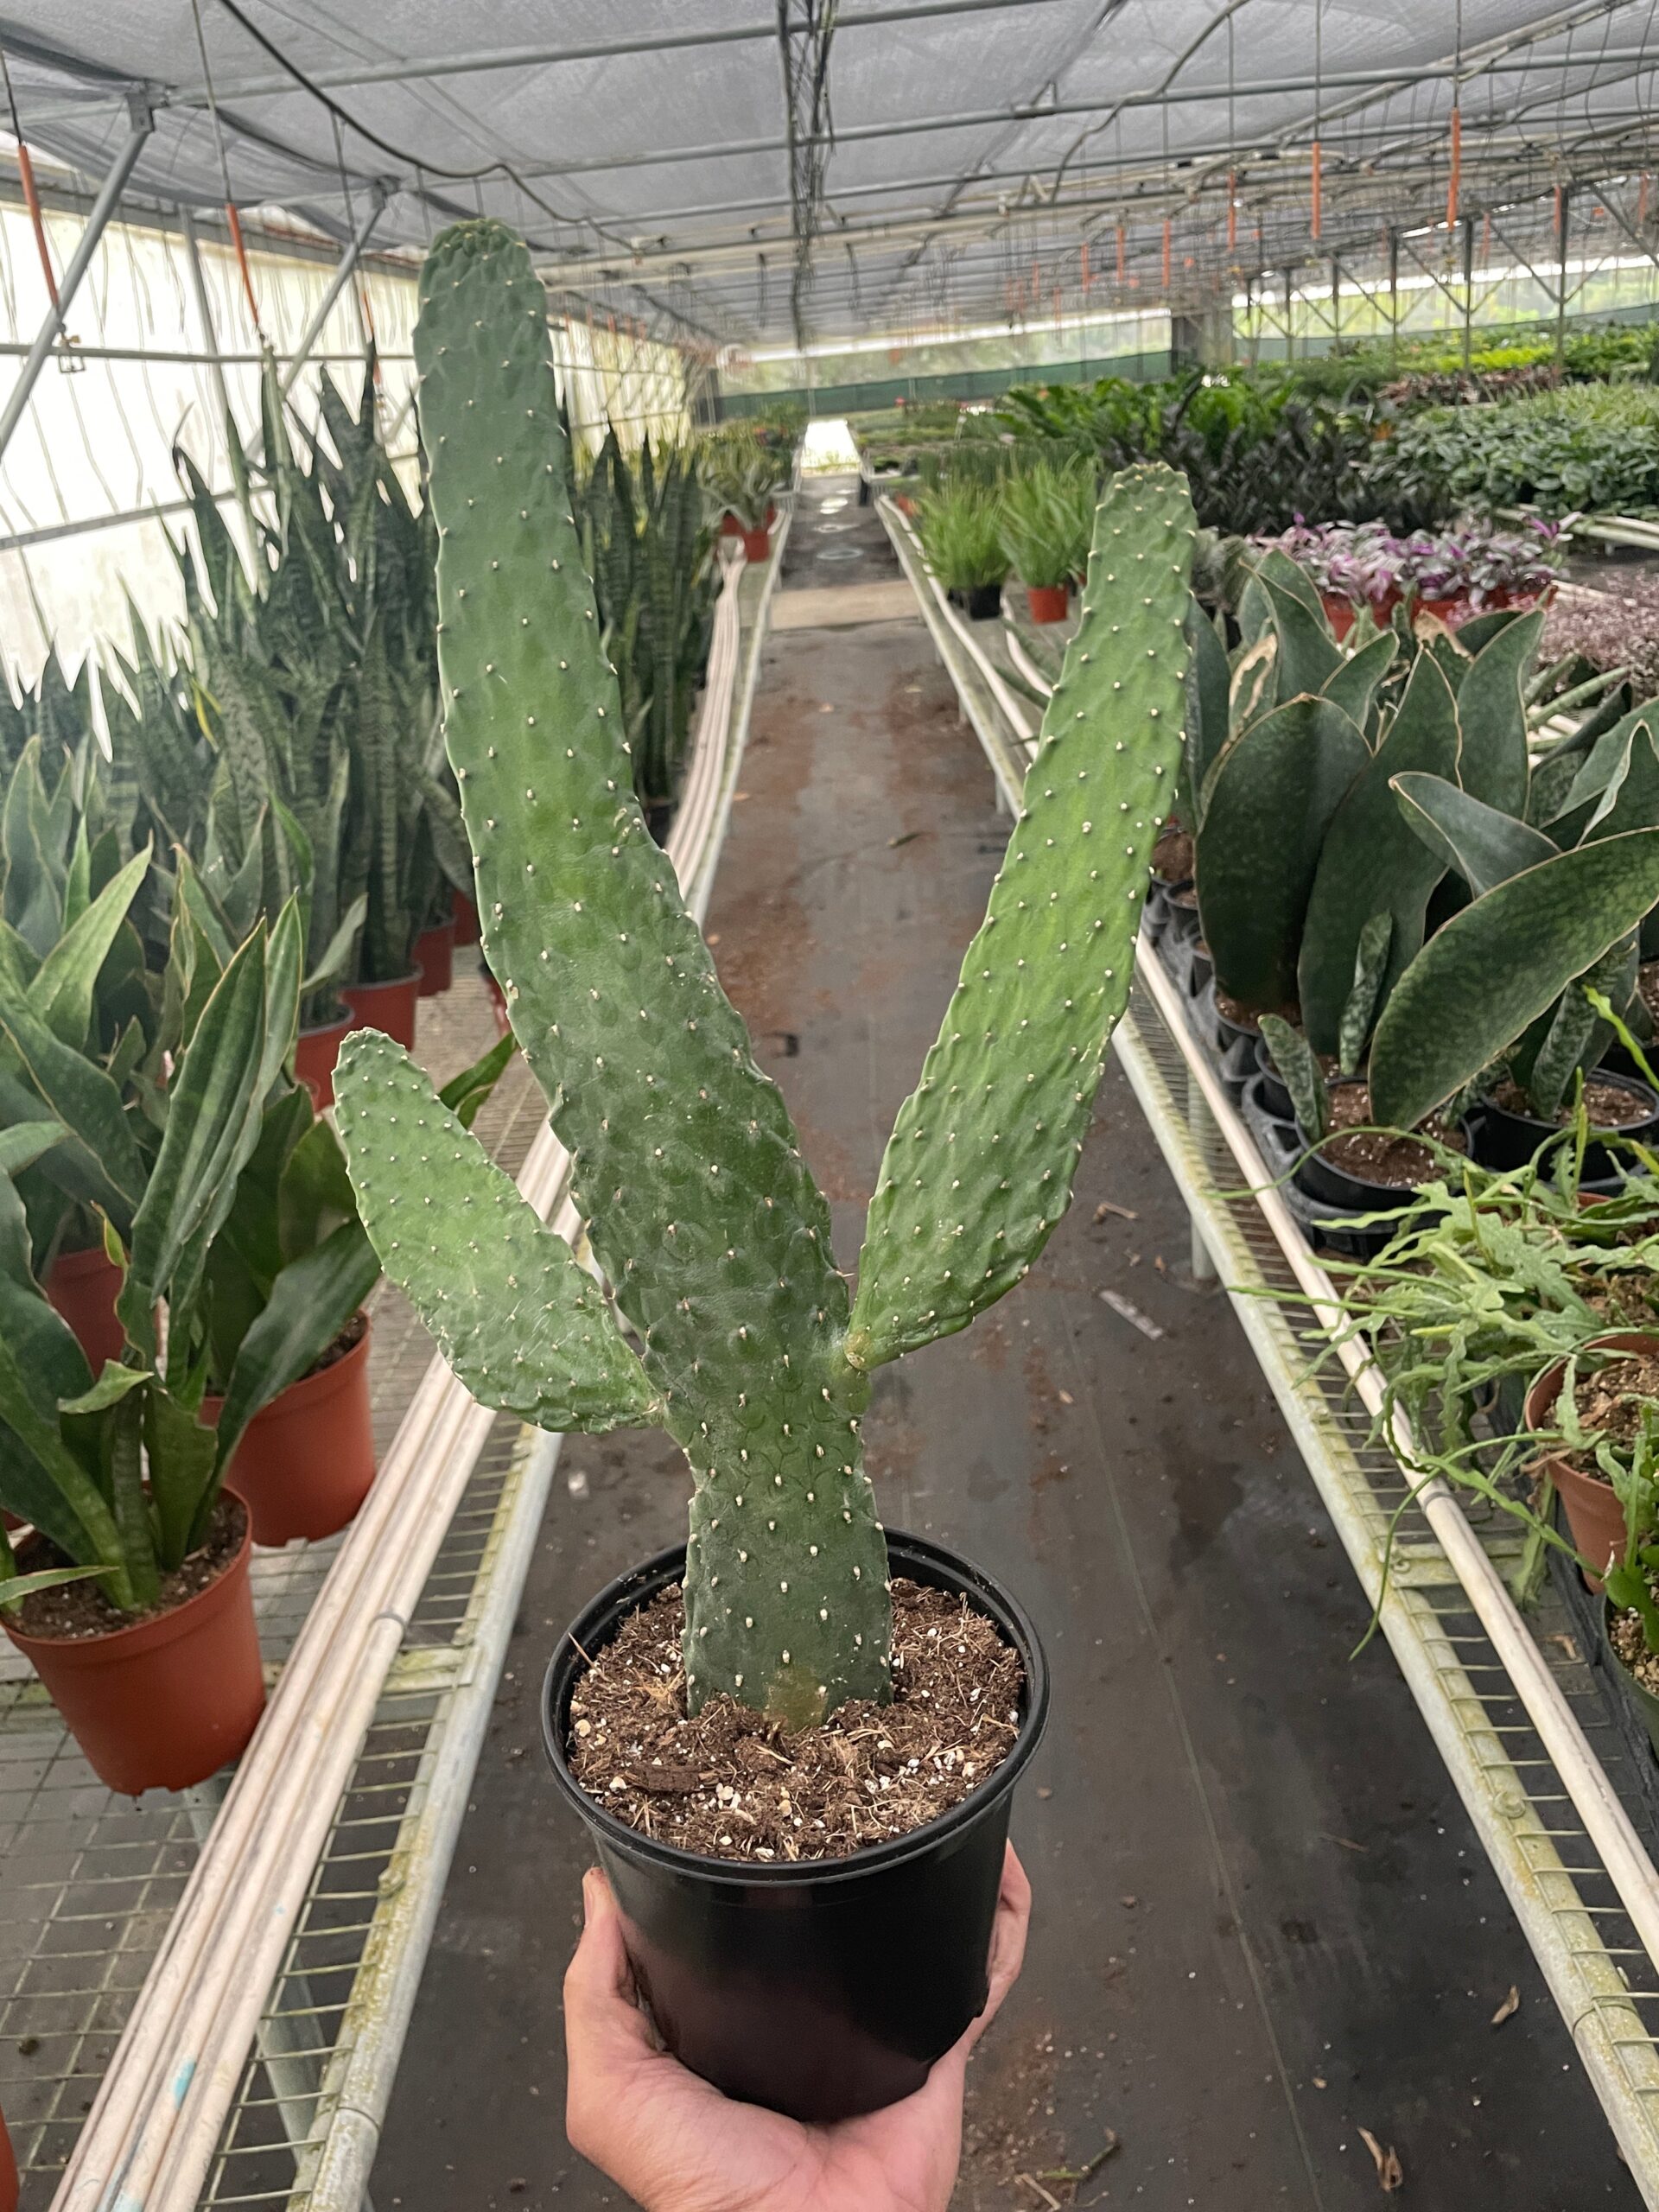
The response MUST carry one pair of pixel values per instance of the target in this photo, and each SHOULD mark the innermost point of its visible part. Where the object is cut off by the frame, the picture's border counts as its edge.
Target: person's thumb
(600, 2011)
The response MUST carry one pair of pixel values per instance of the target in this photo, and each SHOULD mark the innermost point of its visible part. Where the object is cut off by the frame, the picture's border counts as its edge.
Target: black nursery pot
(984, 602)
(820, 1990)
(1505, 1139)
(1323, 1178)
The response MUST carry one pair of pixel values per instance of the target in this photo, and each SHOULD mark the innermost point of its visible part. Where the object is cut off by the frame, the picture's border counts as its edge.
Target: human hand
(676, 2145)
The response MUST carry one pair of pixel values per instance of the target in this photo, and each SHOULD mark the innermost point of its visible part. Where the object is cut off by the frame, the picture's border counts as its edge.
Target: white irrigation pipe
(1608, 1826)
(148, 2141)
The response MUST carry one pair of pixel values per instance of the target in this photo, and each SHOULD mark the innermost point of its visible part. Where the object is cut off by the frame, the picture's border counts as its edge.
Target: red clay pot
(314, 1054)
(729, 526)
(83, 1286)
(1047, 602)
(435, 956)
(389, 1007)
(8, 2170)
(757, 543)
(1594, 1515)
(1340, 612)
(168, 1701)
(305, 1464)
(467, 927)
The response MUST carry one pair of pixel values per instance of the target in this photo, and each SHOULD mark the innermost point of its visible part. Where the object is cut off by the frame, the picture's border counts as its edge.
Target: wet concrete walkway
(1262, 1923)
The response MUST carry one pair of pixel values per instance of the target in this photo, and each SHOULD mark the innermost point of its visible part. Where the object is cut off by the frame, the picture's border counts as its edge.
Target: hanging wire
(1455, 181)
(26, 178)
(231, 215)
(1232, 145)
(1316, 213)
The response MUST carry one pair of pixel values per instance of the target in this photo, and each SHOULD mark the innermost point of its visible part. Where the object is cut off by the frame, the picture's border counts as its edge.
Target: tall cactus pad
(525, 1327)
(980, 1165)
(684, 1162)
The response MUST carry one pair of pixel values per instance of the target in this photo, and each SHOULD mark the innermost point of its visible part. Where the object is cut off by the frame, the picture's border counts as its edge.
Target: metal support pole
(1564, 225)
(1336, 305)
(1290, 314)
(204, 317)
(1394, 299)
(337, 284)
(97, 223)
(1468, 284)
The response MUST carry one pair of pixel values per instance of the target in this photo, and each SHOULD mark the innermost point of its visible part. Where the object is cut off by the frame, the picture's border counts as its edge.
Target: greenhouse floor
(1262, 1924)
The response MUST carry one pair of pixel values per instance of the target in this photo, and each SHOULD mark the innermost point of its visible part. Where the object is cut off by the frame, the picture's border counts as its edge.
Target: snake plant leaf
(1353, 685)
(16, 1587)
(1485, 845)
(1599, 762)
(524, 1327)
(112, 1385)
(212, 1126)
(1308, 655)
(467, 1094)
(1359, 1011)
(1575, 1027)
(1267, 809)
(23, 1143)
(181, 1452)
(1630, 799)
(61, 993)
(1300, 1073)
(978, 1169)
(1494, 969)
(1492, 716)
(1208, 682)
(1371, 861)
(1283, 579)
(33, 897)
(97, 1161)
(311, 1302)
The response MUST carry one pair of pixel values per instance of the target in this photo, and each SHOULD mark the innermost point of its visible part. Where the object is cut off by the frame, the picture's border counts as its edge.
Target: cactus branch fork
(736, 1331)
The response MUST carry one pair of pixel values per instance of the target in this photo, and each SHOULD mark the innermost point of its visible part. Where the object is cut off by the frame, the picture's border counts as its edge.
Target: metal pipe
(204, 317)
(97, 223)
(337, 283)
(541, 57)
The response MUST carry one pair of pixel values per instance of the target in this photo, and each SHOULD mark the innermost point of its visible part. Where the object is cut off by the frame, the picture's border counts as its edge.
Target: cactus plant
(702, 1211)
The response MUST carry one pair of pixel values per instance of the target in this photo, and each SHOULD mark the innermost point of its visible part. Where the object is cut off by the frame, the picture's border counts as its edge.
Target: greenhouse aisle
(1262, 1924)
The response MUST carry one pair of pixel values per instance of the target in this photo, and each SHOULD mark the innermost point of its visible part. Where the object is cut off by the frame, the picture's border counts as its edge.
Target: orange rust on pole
(235, 222)
(1454, 180)
(32, 201)
(1317, 211)
(1558, 211)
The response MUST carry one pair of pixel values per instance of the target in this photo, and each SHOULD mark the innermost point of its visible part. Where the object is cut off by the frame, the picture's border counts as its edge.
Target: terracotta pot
(435, 956)
(729, 526)
(1594, 1515)
(1340, 612)
(389, 1006)
(83, 1286)
(757, 544)
(305, 1464)
(167, 1702)
(467, 928)
(8, 2170)
(1047, 602)
(314, 1055)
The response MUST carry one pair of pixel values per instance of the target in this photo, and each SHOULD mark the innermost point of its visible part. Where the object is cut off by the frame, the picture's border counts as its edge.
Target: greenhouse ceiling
(765, 173)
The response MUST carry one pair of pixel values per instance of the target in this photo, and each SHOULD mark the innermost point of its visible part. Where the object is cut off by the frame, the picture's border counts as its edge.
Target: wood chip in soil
(731, 1784)
(81, 1609)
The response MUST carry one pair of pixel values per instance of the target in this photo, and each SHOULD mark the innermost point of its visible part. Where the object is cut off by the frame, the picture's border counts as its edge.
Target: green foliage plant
(1046, 520)
(960, 524)
(734, 1328)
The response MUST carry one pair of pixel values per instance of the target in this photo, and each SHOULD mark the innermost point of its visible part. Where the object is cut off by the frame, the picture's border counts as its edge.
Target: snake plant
(733, 1327)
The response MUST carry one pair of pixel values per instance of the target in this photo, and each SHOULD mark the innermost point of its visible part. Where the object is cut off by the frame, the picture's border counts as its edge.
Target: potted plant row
(960, 524)
(743, 477)
(1384, 880)
(1453, 576)
(815, 1961)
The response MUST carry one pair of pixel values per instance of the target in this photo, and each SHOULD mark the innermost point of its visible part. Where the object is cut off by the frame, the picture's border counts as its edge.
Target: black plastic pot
(984, 602)
(1275, 1099)
(820, 1990)
(1504, 1139)
(1323, 1178)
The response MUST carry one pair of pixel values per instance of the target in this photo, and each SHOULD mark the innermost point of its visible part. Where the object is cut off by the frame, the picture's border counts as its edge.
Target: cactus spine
(685, 1163)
